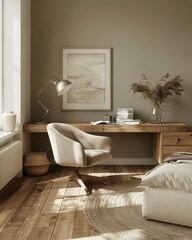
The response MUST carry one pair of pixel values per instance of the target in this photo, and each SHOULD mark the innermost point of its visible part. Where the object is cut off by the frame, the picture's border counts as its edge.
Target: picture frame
(89, 70)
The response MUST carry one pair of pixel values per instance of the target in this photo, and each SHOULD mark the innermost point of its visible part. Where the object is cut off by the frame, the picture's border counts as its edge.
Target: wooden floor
(56, 211)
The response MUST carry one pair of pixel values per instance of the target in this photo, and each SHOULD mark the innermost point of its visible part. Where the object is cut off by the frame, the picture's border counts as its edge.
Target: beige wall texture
(146, 36)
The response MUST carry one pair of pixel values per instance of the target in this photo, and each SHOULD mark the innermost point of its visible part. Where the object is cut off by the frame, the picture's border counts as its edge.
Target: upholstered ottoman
(167, 205)
(168, 197)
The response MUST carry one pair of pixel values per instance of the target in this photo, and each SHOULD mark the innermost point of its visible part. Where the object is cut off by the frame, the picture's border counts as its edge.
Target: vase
(158, 114)
(8, 121)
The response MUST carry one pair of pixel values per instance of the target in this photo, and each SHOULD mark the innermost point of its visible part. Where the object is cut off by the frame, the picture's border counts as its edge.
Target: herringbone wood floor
(55, 212)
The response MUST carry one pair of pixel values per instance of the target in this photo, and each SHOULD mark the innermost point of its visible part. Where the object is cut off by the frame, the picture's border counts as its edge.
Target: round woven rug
(115, 213)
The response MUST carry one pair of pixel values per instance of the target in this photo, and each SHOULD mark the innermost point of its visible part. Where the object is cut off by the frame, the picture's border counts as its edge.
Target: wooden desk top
(147, 127)
(114, 128)
(40, 128)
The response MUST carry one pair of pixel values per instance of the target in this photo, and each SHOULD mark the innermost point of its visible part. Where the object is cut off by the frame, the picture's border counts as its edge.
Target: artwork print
(89, 70)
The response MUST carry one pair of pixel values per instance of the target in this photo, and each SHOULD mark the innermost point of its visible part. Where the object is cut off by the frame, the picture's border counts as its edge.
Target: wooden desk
(156, 129)
(116, 128)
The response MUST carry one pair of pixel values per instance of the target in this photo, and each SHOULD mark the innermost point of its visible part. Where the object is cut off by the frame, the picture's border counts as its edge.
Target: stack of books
(126, 116)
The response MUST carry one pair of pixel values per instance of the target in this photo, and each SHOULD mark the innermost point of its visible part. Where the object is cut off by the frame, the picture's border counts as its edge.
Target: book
(100, 122)
(133, 121)
(124, 115)
(125, 109)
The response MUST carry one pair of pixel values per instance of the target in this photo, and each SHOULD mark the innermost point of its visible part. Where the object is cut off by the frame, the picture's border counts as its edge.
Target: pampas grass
(165, 88)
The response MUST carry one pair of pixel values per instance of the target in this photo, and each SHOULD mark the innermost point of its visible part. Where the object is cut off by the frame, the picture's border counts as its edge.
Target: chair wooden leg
(80, 178)
(61, 179)
(81, 183)
(93, 178)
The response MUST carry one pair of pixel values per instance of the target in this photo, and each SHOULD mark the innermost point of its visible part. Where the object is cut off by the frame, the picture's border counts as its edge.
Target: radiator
(10, 161)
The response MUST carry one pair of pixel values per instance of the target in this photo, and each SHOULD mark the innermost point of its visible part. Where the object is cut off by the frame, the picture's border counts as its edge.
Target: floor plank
(56, 211)
(10, 206)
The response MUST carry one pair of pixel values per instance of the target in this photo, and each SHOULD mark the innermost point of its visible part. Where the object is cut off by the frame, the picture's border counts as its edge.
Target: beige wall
(147, 36)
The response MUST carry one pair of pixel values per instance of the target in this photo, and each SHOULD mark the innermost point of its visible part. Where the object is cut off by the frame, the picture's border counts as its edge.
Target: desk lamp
(62, 86)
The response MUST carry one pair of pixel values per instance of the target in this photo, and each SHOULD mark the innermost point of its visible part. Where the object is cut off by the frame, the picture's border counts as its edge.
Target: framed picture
(89, 70)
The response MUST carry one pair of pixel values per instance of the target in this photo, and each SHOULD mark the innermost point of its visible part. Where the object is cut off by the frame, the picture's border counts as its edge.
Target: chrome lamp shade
(62, 86)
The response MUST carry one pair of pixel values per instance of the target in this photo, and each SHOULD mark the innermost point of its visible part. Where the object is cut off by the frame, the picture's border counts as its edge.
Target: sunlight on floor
(87, 238)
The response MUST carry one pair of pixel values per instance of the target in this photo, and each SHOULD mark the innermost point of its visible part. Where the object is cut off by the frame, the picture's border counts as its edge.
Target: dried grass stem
(163, 90)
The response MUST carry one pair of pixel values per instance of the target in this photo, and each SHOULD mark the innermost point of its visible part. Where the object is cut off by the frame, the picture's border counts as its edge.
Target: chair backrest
(66, 151)
(64, 129)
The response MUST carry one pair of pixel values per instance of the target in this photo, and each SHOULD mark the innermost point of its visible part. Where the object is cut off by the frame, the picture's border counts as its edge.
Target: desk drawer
(177, 139)
(170, 142)
(168, 150)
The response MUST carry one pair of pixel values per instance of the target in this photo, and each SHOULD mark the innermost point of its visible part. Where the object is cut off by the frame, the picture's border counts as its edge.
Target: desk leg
(157, 147)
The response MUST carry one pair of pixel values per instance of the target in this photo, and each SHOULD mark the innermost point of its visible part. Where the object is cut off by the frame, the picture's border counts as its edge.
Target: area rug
(115, 213)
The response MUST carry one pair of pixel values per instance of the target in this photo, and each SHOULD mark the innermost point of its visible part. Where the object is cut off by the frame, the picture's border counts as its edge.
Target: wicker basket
(36, 163)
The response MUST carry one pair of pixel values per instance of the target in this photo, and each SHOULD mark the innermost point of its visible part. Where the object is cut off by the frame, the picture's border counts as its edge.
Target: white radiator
(10, 161)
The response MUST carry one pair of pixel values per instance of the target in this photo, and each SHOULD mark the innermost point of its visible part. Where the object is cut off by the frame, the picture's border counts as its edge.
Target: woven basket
(36, 163)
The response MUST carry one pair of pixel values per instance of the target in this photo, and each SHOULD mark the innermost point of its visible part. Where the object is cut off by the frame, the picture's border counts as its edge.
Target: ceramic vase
(8, 121)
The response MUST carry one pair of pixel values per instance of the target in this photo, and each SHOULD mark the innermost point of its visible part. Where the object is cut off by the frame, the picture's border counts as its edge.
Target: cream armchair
(75, 148)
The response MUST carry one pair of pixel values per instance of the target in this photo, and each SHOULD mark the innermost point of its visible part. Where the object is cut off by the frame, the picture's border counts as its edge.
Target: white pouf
(167, 205)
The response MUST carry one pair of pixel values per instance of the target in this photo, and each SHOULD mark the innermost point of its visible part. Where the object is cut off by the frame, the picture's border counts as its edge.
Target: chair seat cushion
(93, 156)
(167, 205)
(177, 175)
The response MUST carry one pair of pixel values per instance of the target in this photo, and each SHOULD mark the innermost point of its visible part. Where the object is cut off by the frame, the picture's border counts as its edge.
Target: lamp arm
(53, 80)
(37, 98)
(44, 107)
(43, 89)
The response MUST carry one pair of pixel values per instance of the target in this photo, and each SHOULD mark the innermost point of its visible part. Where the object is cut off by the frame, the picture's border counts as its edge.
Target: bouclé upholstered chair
(75, 148)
